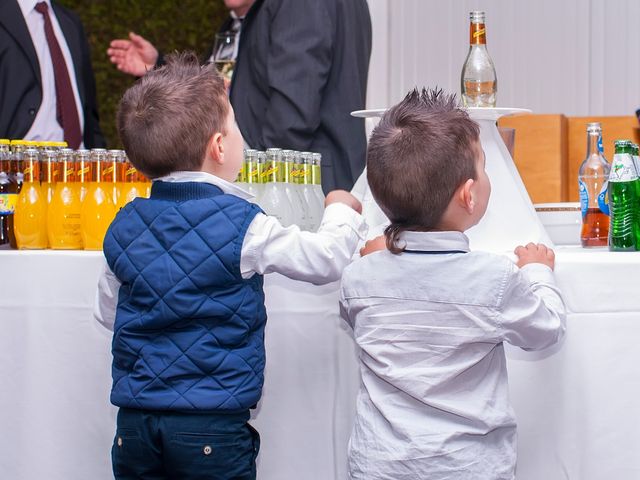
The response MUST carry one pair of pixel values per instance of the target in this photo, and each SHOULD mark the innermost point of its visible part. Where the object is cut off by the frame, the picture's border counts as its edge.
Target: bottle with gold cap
(316, 180)
(50, 169)
(63, 216)
(8, 197)
(132, 184)
(113, 172)
(98, 209)
(479, 83)
(83, 172)
(316, 209)
(274, 199)
(30, 218)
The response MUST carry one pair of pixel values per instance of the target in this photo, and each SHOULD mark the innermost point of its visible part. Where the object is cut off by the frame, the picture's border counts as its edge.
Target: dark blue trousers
(154, 445)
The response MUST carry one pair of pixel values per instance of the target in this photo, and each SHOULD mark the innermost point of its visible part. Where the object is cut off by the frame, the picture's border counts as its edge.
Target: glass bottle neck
(477, 34)
(592, 144)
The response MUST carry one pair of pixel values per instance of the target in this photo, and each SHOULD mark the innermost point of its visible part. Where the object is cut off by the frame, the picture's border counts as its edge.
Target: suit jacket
(20, 81)
(302, 68)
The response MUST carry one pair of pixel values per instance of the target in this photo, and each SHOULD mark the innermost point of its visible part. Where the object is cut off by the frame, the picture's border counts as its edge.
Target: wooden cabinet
(550, 148)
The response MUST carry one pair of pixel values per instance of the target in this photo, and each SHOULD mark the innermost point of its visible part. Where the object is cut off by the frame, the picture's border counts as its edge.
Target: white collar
(27, 6)
(434, 241)
(204, 177)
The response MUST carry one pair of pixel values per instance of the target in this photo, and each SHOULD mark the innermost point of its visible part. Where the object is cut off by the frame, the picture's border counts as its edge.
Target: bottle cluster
(55, 197)
(285, 184)
(610, 194)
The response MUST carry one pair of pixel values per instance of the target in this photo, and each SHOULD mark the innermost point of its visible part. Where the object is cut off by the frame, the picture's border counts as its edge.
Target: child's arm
(104, 309)
(318, 257)
(532, 313)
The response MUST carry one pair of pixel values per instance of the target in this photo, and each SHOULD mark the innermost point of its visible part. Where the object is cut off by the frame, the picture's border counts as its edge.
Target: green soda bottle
(624, 198)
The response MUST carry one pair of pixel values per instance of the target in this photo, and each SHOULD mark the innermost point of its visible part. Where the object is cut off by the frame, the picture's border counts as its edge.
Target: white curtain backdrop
(577, 57)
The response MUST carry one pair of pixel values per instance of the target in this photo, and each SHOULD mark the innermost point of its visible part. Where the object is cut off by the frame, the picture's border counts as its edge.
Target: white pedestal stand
(510, 220)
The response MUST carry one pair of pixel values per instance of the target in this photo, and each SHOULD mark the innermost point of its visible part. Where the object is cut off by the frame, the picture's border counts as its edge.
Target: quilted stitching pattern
(189, 331)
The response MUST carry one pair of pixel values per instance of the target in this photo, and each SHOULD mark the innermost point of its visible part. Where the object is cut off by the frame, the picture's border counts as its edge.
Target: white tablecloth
(576, 404)
(56, 422)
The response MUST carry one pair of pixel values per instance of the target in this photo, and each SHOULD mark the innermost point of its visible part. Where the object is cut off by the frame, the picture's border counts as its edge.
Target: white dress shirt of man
(46, 126)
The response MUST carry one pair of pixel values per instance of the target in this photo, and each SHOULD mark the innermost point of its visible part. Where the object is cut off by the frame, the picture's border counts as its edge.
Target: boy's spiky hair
(419, 154)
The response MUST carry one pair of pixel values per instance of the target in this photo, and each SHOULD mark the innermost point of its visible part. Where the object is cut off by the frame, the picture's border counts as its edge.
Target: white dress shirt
(433, 400)
(45, 125)
(268, 247)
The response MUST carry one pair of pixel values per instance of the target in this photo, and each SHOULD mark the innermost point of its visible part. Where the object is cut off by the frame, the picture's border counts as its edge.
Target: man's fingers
(120, 44)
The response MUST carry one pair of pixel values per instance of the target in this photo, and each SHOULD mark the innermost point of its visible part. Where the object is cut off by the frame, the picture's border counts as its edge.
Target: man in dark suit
(47, 87)
(302, 68)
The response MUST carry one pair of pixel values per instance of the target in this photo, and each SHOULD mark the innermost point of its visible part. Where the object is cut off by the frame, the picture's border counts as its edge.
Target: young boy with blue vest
(430, 316)
(182, 288)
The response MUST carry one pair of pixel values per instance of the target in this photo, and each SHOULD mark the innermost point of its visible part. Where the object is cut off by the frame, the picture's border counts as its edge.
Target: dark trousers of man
(153, 445)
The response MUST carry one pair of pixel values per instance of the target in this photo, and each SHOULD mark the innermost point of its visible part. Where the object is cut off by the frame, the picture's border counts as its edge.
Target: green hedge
(169, 25)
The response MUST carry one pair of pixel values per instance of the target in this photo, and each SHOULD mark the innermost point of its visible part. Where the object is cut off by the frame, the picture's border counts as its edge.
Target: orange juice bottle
(50, 170)
(133, 185)
(113, 173)
(30, 218)
(98, 209)
(63, 216)
(83, 174)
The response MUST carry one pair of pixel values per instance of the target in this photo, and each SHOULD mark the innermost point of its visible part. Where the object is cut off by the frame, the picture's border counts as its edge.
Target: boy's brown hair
(418, 155)
(166, 119)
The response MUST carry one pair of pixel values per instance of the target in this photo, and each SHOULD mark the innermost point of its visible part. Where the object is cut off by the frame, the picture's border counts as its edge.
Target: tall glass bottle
(31, 210)
(113, 172)
(593, 179)
(83, 172)
(132, 184)
(297, 180)
(306, 180)
(274, 199)
(479, 83)
(316, 180)
(98, 209)
(63, 216)
(624, 197)
(8, 198)
(251, 174)
(50, 170)
(298, 214)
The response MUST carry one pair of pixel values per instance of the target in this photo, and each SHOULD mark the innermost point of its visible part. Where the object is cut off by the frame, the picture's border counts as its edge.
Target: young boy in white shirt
(430, 317)
(182, 288)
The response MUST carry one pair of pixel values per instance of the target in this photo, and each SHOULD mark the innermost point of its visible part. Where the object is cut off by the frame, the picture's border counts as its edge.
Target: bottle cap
(477, 16)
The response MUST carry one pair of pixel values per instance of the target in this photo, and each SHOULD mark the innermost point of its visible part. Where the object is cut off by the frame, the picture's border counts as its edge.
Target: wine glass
(225, 51)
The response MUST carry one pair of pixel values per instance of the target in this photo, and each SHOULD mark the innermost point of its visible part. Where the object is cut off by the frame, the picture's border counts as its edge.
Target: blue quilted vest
(189, 330)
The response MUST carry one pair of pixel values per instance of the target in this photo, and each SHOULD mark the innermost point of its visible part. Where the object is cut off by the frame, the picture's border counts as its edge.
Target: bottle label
(600, 147)
(8, 202)
(584, 197)
(622, 169)
(478, 34)
(603, 199)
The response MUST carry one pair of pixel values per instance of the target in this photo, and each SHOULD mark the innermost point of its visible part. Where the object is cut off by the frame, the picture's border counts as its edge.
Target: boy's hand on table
(342, 196)
(535, 253)
(374, 245)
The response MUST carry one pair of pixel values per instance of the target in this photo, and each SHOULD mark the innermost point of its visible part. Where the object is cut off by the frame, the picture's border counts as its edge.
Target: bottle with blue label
(593, 179)
(8, 196)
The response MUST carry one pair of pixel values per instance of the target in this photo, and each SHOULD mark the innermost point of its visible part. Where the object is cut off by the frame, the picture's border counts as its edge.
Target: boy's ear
(465, 196)
(215, 148)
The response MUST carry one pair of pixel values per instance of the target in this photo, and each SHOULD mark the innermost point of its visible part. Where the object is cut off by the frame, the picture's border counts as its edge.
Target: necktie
(66, 111)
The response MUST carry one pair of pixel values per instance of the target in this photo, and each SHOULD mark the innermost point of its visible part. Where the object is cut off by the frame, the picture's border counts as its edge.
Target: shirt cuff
(538, 273)
(341, 214)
